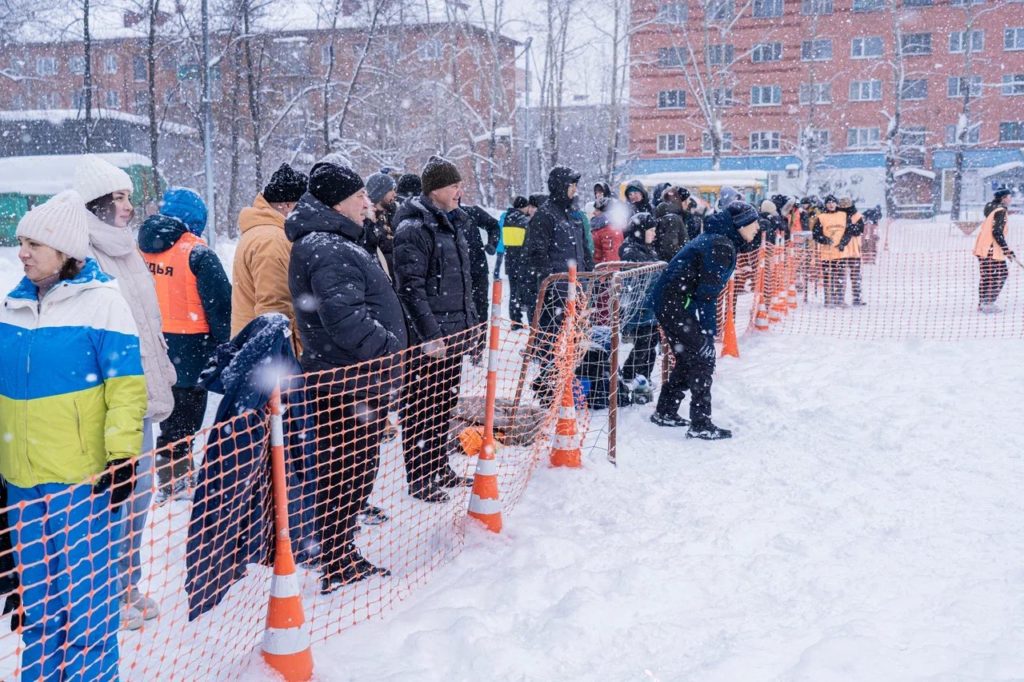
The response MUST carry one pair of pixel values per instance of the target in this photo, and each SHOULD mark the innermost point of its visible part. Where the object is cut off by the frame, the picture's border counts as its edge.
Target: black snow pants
(184, 421)
(430, 392)
(692, 371)
(640, 360)
(993, 277)
(518, 269)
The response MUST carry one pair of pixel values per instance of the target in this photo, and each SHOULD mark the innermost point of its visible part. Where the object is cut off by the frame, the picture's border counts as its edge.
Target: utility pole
(208, 127)
(529, 140)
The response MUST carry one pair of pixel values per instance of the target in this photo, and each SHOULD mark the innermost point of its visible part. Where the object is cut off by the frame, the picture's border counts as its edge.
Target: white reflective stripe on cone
(492, 361)
(566, 412)
(276, 430)
(283, 586)
(487, 467)
(560, 442)
(482, 506)
(285, 641)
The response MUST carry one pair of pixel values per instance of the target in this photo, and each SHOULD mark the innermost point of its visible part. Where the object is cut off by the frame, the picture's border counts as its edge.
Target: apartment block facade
(793, 84)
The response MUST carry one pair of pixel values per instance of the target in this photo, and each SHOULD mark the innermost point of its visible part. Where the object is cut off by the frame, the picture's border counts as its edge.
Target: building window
(966, 3)
(46, 66)
(722, 97)
(430, 51)
(764, 141)
(326, 54)
(706, 146)
(961, 41)
(955, 86)
(766, 52)
(675, 13)
(78, 99)
(817, 139)
(973, 134)
(863, 48)
(812, 7)
(868, 5)
(140, 102)
(1011, 131)
(77, 65)
(915, 44)
(913, 136)
(914, 88)
(671, 57)
(721, 10)
(865, 91)
(815, 93)
(113, 99)
(671, 144)
(918, 3)
(170, 97)
(110, 63)
(765, 95)
(720, 55)
(816, 50)
(1013, 84)
(48, 100)
(764, 9)
(672, 99)
(139, 68)
(859, 138)
(1013, 39)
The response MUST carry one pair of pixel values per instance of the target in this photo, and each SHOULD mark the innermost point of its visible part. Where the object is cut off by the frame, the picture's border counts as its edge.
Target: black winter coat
(190, 352)
(634, 250)
(671, 234)
(345, 307)
(433, 270)
(478, 256)
(555, 237)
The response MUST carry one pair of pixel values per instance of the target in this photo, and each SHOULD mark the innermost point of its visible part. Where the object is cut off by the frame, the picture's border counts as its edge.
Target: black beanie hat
(830, 198)
(520, 202)
(742, 213)
(409, 185)
(1000, 193)
(439, 172)
(537, 200)
(333, 184)
(286, 185)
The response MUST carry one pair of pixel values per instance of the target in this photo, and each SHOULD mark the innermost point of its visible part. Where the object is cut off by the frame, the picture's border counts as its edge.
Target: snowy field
(864, 524)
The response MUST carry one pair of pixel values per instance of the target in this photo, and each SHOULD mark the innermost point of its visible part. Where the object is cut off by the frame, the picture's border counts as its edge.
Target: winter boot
(163, 476)
(669, 420)
(353, 568)
(131, 617)
(449, 479)
(989, 308)
(143, 604)
(181, 477)
(708, 431)
(372, 516)
(428, 491)
(641, 391)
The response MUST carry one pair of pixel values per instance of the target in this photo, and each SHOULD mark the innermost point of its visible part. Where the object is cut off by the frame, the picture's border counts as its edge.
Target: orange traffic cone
(484, 503)
(730, 345)
(774, 314)
(286, 639)
(565, 450)
(791, 297)
(761, 321)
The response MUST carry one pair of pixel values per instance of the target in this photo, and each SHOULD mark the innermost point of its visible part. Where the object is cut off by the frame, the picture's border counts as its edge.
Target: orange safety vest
(985, 246)
(852, 249)
(833, 225)
(177, 288)
(795, 224)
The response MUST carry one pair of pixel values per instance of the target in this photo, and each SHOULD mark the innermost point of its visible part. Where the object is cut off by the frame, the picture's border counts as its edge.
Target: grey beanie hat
(378, 185)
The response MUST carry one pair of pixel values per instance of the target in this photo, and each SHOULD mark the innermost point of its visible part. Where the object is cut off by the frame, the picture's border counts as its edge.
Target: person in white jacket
(106, 190)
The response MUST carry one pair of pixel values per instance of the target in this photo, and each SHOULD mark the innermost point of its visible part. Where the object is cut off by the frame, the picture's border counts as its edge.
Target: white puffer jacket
(117, 253)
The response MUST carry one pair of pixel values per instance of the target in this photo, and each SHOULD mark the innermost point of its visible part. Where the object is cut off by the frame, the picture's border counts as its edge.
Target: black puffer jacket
(554, 237)
(433, 271)
(345, 307)
(671, 233)
(479, 219)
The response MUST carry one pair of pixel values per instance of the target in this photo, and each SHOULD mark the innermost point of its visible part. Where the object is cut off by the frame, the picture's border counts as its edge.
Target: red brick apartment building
(767, 70)
(423, 88)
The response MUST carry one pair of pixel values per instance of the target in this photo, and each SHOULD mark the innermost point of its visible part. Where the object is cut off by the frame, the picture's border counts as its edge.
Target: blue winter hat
(187, 206)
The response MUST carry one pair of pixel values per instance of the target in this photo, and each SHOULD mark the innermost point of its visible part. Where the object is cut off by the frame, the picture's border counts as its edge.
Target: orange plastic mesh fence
(917, 280)
(377, 458)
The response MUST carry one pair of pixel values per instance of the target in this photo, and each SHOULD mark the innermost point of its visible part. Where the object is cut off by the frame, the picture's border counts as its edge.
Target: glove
(490, 250)
(841, 247)
(119, 477)
(1010, 254)
(707, 349)
(435, 348)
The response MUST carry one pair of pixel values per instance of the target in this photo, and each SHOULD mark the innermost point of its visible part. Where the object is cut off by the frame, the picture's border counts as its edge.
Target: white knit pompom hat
(61, 223)
(95, 178)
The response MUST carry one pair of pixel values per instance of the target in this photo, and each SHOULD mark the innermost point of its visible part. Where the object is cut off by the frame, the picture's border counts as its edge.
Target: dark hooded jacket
(635, 250)
(672, 233)
(479, 219)
(555, 236)
(694, 278)
(189, 352)
(345, 307)
(433, 270)
(644, 205)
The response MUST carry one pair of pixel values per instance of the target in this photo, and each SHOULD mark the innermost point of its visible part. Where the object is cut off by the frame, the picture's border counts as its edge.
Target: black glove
(1010, 254)
(707, 349)
(490, 250)
(119, 476)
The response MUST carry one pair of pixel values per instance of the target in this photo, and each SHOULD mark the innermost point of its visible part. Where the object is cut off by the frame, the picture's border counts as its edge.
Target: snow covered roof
(58, 116)
(915, 171)
(51, 174)
(1001, 168)
(735, 178)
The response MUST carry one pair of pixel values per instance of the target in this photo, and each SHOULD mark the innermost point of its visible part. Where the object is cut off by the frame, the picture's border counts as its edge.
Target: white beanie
(61, 223)
(95, 178)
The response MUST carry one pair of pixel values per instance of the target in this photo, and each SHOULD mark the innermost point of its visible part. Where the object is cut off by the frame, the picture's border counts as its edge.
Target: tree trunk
(87, 77)
(252, 88)
(154, 132)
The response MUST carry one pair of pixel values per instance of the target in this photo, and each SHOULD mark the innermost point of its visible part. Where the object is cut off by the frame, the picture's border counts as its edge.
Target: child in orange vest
(993, 252)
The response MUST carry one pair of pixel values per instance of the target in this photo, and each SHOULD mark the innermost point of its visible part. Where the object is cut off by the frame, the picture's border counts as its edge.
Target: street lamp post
(526, 49)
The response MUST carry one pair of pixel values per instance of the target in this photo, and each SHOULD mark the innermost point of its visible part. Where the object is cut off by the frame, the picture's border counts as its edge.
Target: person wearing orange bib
(993, 252)
(195, 304)
(828, 229)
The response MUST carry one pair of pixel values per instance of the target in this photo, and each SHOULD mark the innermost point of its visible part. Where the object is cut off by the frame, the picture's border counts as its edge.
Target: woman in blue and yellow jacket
(72, 399)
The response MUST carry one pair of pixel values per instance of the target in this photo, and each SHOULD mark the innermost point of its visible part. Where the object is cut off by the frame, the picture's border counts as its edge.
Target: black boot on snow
(708, 432)
(669, 420)
(353, 568)
(372, 516)
(449, 479)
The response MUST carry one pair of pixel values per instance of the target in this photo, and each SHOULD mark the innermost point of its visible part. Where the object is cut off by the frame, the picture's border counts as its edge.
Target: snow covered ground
(864, 524)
